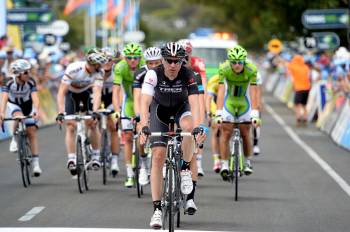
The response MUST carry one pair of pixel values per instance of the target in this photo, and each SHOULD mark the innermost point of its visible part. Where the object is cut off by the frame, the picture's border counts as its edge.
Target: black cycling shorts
(160, 119)
(301, 97)
(106, 98)
(73, 100)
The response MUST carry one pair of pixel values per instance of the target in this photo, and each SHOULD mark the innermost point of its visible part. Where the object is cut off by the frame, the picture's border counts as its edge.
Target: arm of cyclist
(96, 99)
(4, 99)
(137, 100)
(36, 104)
(116, 98)
(147, 93)
(220, 102)
(255, 96)
(62, 91)
(195, 111)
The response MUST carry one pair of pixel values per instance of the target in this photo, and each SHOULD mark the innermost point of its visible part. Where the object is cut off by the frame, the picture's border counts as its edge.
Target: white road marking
(31, 214)
(48, 229)
(323, 164)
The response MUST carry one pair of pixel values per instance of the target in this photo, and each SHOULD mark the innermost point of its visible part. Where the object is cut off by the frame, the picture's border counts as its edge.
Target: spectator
(300, 74)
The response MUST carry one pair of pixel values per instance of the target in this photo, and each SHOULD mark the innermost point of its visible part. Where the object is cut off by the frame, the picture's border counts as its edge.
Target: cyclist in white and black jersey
(20, 96)
(169, 90)
(81, 80)
(112, 57)
(153, 58)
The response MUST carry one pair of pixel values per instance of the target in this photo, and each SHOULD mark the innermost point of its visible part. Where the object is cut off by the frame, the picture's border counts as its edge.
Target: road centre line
(31, 214)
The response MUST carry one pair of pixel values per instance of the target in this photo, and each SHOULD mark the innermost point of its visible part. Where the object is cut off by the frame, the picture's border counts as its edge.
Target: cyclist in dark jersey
(169, 90)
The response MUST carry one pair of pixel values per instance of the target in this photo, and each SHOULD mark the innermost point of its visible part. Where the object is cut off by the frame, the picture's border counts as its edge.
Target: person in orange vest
(300, 74)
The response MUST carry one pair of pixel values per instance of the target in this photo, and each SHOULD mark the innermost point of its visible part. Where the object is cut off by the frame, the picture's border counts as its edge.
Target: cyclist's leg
(225, 136)
(128, 136)
(13, 109)
(115, 145)
(199, 155)
(158, 146)
(71, 107)
(186, 124)
(247, 141)
(214, 141)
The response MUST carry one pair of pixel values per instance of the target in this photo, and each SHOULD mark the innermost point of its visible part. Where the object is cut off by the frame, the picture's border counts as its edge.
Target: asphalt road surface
(290, 189)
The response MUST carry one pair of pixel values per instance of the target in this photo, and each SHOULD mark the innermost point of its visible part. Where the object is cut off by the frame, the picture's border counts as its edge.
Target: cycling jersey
(237, 100)
(79, 79)
(124, 77)
(106, 97)
(20, 98)
(139, 77)
(19, 93)
(212, 89)
(198, 79)
(170, 93)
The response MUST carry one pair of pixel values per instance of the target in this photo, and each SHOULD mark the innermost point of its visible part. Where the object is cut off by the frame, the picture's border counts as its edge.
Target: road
(288, 191)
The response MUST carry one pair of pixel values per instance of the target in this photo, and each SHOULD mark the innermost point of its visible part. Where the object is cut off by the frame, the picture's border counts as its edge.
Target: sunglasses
(25, 72)
(133, 57)
(171, 61)
(240, 62)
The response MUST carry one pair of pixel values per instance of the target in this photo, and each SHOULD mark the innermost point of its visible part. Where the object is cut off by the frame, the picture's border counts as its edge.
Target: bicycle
(237, 160)
(135, 161)
(83, 150)
(105, 154)
(172, 198)
(24, 150)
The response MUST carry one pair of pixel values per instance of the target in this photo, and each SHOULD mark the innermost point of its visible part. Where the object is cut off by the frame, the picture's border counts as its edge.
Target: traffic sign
(57, 27)
(326, 19)
(29, 16)
(275, 46)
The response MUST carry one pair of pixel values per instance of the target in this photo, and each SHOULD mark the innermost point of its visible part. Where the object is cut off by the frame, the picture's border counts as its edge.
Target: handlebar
(105, 111)
(171, 134)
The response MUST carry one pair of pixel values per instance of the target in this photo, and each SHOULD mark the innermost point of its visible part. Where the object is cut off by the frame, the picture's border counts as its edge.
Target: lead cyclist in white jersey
(80, 80)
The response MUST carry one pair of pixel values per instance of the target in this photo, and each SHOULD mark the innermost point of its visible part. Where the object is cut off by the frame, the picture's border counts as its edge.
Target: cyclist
(238, 79)
(20, 96)
(113, 58)
(153, 58)
(80, 80)
(169, 90)
(123, 78)
(210, 102)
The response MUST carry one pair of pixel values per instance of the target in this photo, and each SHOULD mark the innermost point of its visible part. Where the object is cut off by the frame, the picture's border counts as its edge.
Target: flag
(73, 5)
(129, 9)
(114, 9)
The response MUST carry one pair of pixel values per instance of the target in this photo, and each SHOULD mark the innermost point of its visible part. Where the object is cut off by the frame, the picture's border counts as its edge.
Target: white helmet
(19, 66)
(96, 58)
(152, 53)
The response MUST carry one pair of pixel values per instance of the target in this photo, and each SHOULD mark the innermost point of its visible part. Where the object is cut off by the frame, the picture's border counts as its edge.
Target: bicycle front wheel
(28, 159)
(21, 159)
(236, 167)
(104, 156)
(171, 213)
(80, 165)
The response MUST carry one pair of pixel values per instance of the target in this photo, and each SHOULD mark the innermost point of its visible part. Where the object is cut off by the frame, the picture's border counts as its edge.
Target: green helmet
(237, 53)
(132, 49)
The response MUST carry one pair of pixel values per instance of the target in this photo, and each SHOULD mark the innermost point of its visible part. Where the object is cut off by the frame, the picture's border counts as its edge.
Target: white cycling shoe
(95, 163)
(143, 177)
(190, 207)
(186, 182)
(156, 220)
(72, 166)
(13, 145)
(36, 168)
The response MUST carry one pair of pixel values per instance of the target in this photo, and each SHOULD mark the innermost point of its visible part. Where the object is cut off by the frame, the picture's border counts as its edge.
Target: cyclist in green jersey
(124, 78)
(237, 87)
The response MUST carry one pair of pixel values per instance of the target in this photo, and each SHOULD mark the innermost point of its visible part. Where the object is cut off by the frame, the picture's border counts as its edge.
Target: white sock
(72, 156)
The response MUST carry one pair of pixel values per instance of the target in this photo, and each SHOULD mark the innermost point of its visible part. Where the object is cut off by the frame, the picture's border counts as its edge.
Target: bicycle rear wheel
(80, 165)
(104, 156)
(237, 167)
